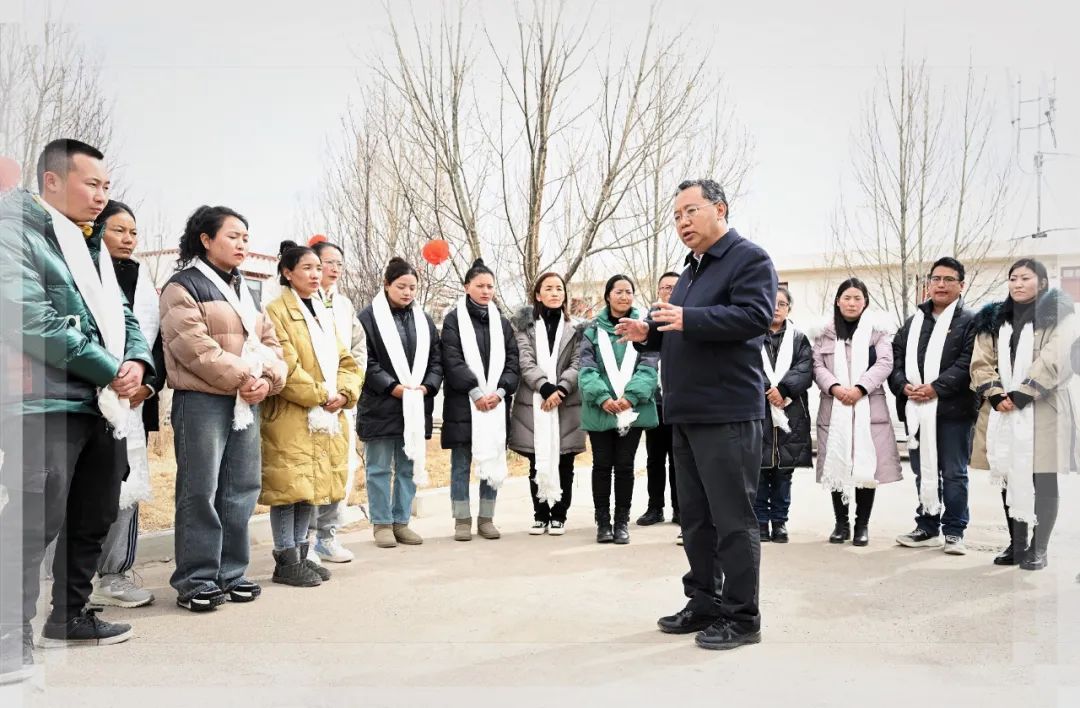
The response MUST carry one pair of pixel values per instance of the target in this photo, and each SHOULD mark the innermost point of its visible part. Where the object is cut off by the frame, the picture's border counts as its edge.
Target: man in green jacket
(71, 355)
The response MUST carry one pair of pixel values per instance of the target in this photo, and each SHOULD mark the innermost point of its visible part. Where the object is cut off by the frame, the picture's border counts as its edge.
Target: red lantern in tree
(436, 251)
(10, 174)
(317, 238)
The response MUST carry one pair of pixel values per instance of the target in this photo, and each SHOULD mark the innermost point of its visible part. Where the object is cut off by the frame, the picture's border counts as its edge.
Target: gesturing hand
(668, 316)
(632, 330)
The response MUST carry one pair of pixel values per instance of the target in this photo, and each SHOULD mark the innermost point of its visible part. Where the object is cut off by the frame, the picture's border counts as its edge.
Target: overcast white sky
(233, 102)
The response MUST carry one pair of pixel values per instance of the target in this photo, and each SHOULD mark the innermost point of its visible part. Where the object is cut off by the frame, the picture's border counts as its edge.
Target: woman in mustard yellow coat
(305, 435)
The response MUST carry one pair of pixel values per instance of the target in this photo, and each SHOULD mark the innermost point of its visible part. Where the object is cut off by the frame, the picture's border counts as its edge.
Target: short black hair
(950, 263)
(478, 268)
(289, 255)
(783, 290)
(396, 268)
(610, 285)
(56, 157)
(710, 189)
(1035, 267)
(204, 220)
(669, 274)
(838, 318)
(111, 209)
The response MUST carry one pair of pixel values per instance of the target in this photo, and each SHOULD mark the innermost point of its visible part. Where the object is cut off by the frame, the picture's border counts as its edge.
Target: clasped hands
(848, 396)
(128, 383)
(920, 394)
(615, 406)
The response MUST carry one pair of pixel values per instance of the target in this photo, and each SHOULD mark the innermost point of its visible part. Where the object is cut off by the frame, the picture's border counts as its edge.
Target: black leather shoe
(841, 533)
(685, 621)
(1033, 560)
(763, 532)
(724, 634)
(604, 534)
(862, 536)
(779, 532)
(650, 517)
(1006, 557)
(675, 517)
(622, 533)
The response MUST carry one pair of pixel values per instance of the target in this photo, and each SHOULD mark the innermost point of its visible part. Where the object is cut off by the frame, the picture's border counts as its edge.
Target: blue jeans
(460, 463)
(289, 524)
(773, 496)
(379, 456)
(954, 451)
(218, 478)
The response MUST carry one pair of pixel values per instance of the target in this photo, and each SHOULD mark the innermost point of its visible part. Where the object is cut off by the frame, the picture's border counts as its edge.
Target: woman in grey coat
(548, 389)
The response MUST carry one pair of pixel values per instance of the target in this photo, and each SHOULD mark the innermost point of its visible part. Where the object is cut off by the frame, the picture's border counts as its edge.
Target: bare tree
(926, 184)
(50, 89)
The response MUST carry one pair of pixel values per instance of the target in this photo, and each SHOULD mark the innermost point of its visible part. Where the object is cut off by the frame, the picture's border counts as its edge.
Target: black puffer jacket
(457, 405)
(378, 415)
(956, 400)
(790, 450)
(127, 277)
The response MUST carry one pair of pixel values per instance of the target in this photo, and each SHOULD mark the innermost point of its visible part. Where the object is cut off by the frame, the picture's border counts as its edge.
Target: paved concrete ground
(547, 621)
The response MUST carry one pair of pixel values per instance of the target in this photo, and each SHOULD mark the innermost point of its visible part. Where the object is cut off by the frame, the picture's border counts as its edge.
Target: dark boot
(779, 532)
(622, 526)
(1035, 558)
(1046, 510)
(842, 531)
(289, 570)
(323, 573)
(864, 503)
(1008, 556)
(763, 531)
(604, 532)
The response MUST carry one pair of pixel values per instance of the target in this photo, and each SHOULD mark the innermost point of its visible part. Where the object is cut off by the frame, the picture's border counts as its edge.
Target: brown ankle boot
(406, 535)
(384, 536)
(463, 529)
(486, 528)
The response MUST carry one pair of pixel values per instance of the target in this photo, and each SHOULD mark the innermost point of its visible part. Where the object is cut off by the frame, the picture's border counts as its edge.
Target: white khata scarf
(618, 376)
(546, 436)
(922, 415)
(255, 354)
(488, 427)
(851, 459)
(412, 401)
(344, 317)
(103, 299)
(1010, 437)
(324, 340)
(776, 374)
(136, 488)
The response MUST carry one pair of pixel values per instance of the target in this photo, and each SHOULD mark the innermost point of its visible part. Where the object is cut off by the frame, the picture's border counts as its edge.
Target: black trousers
(557, 511)
(613, 454)
(660, 466)
(1046, 511)
(716, 468)
(63, 474)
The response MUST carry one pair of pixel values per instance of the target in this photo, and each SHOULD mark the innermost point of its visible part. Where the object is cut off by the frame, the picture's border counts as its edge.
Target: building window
(1070, 282)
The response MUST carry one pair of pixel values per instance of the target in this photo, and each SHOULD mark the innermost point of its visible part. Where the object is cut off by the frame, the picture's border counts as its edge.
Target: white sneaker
(557, 528)
(954, 546)
(331, 551)
(119, 590)
(539, 528)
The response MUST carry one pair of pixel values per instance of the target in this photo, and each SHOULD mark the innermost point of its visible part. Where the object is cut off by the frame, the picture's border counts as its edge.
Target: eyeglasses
(947, 279)
(782, 305)
(332, 264)
(689, 212)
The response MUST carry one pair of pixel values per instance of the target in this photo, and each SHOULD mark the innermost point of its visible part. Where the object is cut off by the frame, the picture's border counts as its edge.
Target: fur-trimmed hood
(523, 319)
(1051, 307)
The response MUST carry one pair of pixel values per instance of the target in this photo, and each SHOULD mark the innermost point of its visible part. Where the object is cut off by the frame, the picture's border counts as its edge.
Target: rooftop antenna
(1045, 110)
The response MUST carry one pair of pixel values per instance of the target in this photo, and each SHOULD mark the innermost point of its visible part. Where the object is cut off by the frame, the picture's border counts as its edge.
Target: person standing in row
(305, 432)
(326, 519)
(931, 380)
(546, 423)
(71, 352)
(115, 586)
(788, 360)
(856, 443)
(394, 419)
(1027, 430)
(618, 389)
(480, 368)
(710, 337)
(660, 461)
(223, 359)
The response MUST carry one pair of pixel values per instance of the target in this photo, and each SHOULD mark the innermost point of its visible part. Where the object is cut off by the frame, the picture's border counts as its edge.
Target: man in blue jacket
(710, 336)
(70, 351)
